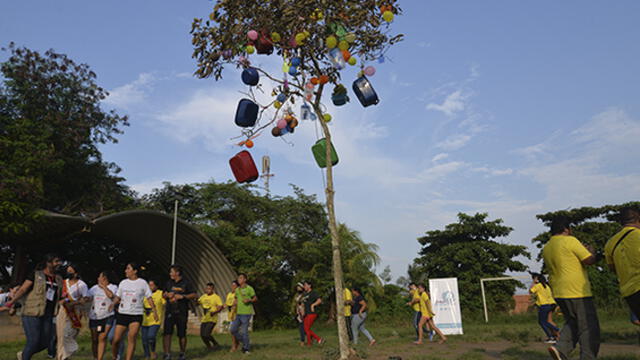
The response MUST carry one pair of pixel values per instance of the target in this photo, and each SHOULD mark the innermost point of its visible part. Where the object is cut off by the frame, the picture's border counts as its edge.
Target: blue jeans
(241, 325)
(303, 335)
(416, 322)
(543, 317)
(149, 339)
(38, 330)
(357, 325)
(123, 343)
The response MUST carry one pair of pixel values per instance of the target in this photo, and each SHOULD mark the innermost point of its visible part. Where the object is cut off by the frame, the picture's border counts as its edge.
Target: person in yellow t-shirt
(232, 308)
(415, 305)
(622, 253)
(151, 325)
(545, 303)
(427, 316)
(211, 306)
(348, 301)
(565, 258)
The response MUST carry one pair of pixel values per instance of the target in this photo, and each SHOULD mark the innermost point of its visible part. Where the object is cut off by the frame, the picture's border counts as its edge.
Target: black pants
(179, 320)
(581, 326)
(206, 331)
(349, 331)
(634, 303)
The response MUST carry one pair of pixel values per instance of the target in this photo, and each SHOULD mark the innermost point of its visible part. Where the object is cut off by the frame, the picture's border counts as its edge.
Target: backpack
(243, 167)
(246, 113)
(364, 91)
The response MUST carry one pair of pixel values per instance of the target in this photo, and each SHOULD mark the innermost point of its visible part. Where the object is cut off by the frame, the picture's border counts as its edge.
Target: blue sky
(511, 108)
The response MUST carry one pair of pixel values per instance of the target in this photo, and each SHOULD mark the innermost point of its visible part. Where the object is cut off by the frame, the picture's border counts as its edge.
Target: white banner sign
(445, 301)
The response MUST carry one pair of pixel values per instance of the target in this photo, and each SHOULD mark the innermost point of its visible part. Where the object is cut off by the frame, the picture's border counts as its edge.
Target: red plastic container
(243, 167)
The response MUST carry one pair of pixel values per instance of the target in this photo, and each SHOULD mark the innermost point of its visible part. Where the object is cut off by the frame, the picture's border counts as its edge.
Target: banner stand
(445, 301)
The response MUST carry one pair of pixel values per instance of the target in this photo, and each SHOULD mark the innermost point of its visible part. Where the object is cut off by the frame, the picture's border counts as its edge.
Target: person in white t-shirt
(101, 313)
(75, 293)
(130, 296)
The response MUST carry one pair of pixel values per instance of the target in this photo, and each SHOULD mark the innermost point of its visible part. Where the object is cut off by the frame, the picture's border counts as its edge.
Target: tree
(51, 124)
(593, 226)
(288, 234)
(467, 250)
(385, 275)
(299, 31)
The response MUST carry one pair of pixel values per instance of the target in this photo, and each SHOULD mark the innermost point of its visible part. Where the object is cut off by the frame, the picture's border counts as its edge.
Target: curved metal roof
(151, 232)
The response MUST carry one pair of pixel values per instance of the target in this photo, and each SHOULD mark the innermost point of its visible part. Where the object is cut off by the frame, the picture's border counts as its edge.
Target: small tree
(467, 250)
(315, 38)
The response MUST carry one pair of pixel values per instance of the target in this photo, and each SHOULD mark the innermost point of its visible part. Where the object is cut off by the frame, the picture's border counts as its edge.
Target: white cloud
(452, 104)
(454, 142)
(206, 116)
(133, 93)
(440, 156)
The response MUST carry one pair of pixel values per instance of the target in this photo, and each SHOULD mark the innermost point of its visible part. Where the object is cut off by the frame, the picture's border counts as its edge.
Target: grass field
(507, 337)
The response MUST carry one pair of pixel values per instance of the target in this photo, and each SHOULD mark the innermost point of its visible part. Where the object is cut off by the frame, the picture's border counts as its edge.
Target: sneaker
(182, 357)
(555, 354)
(167, 357)
(246, 352)
(550, 341)
(322, 341)
(19, 355)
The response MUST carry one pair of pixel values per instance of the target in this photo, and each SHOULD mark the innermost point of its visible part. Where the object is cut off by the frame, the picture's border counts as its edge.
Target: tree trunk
(343, 337)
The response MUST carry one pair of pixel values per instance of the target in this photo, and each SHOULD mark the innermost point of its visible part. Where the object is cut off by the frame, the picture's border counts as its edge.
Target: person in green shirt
(245, 298)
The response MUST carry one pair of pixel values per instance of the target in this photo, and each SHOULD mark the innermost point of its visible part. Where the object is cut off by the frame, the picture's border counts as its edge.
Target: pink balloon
(282, 123)
(253, 35)
(369, 71)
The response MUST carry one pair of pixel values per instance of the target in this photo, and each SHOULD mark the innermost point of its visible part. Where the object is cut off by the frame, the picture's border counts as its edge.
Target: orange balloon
(314, 80)
(324, 79)
(249, 143)
(346, 55)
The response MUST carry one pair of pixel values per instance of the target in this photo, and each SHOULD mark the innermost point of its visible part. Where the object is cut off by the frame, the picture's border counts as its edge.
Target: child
(211, 306)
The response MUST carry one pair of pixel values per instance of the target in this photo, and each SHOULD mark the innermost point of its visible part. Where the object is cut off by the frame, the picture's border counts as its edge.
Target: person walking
(245, 298)
(101, 313)
(130, 297)
(151, 325)
(427, 314)
(43, 289)
(622, 254)
(75, 293)
(566, 259)
(178, 293)
(415, 305)
(311, 301)
(359, 316)
(232, 309)
(348, 302)
(545, 303)
(299, 311)
(211, 307)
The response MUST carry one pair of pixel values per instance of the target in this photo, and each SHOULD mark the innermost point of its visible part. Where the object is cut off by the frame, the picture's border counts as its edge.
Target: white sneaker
(19, 355)
(555, 354)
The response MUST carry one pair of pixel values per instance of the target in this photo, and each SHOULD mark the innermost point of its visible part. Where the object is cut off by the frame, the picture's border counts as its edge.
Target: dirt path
(485, 350)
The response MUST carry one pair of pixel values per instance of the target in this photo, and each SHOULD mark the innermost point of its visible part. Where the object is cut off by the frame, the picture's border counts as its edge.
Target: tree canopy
(468, 250)
(51, 123)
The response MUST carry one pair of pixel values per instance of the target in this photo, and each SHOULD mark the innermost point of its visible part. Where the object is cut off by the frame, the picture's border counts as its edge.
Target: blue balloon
(296, 61)
(293, 70)
(281, 97)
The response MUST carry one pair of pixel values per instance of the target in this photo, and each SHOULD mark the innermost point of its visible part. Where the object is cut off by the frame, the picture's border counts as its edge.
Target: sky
(506, 107)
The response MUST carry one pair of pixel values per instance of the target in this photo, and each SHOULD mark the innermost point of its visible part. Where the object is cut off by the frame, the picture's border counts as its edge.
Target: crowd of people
(566, 260)
(52, 306)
